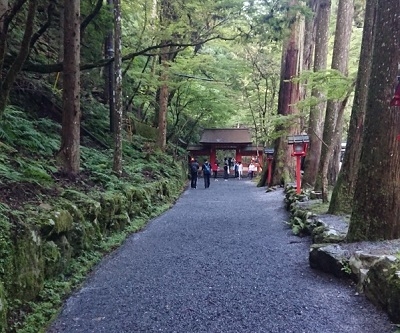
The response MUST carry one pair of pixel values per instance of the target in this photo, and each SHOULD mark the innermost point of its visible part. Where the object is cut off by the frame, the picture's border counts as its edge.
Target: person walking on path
(215, 171)
(194, 169)
(236, 169)
(226, 171)
(206, 173)
(252, 168)
(240, 170)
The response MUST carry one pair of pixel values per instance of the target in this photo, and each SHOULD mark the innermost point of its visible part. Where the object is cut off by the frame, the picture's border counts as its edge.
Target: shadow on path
(221, 260)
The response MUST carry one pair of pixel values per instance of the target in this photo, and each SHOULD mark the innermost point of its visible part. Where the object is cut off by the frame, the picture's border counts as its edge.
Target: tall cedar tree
(117, 164)
(109, 75)
(343, 192)
(167, 16)
(334, 109)
(289, 95)
(376, 206)
(317, 112)
(69, 153)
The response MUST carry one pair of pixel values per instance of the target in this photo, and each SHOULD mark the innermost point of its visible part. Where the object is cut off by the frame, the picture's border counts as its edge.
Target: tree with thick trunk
(343, 192)
(117, 165)
(309, 36)
(317, 112)
(335, 109)
(289, 95)
(376, 204)
(69, 154)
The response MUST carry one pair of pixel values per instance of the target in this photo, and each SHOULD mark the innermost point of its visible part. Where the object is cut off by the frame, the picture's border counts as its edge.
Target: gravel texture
(221, 260)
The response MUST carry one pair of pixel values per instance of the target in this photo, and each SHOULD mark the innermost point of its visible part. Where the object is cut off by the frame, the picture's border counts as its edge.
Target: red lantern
(300, 145)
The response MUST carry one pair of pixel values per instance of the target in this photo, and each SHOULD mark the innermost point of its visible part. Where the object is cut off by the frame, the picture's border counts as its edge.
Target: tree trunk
(109, 74)
(3, 31)
(376, 205)
(163, 101)
(117, 165)
(317, 112)
(11, 74)
(309, 37)
(340, 59)
(60, 56)
(289, 94)
(70, 137)
(343, 192)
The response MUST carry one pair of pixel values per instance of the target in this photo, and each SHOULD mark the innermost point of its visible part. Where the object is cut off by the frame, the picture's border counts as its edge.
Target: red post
(298, 174)
(238, 156)
(213, 155)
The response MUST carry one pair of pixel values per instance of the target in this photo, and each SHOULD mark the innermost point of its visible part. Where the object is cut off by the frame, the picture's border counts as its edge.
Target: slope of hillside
(53, 229)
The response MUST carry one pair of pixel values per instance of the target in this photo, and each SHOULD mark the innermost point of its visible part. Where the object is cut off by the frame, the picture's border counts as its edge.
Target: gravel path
(221, 260)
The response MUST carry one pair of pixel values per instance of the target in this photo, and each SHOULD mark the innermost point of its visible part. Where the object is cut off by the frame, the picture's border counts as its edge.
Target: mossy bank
(52, 229)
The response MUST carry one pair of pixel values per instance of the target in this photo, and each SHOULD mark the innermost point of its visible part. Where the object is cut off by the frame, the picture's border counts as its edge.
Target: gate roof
(226, 136)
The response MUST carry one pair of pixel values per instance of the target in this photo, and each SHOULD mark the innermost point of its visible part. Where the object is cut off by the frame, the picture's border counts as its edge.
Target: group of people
(194, 171)
(207, 169)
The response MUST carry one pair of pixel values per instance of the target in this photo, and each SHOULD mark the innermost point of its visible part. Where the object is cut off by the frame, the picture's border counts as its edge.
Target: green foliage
(297, 224)
(333, 84)
(36, 138)
(23, 133)
(345, 266)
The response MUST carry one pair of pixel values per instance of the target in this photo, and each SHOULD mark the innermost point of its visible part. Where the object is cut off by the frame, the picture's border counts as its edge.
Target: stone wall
(39, 244)
(373, 266)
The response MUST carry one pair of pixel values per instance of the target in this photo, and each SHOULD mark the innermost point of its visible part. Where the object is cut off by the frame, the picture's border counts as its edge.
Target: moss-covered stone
(6, 251)
(3, 309)
(63, 221)
(89, 207)
(52, 256)
(28, 277)
(42, 243)
(393, 302)
(84, 235)
(54, 222)
(382, 286)
(119, 222)
(112, 203)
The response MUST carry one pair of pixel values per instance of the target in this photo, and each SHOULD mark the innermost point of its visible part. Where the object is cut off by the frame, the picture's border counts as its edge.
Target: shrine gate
(213, 139)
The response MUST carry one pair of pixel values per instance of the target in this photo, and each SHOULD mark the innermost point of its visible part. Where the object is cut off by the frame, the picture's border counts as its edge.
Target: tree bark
(163, 101)
(69, 153)
(117, 165)
(309, 36)
(340, 59)
(317, 112)
(10, 76)
(343, 192)
(289, 95)
(109, 72)
(3, 31)
(376, 205)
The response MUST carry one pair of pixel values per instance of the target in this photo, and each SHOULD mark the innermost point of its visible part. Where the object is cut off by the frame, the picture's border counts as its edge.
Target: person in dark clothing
(226, 171)
(236, 169)
(194, 168)
(206, 173)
